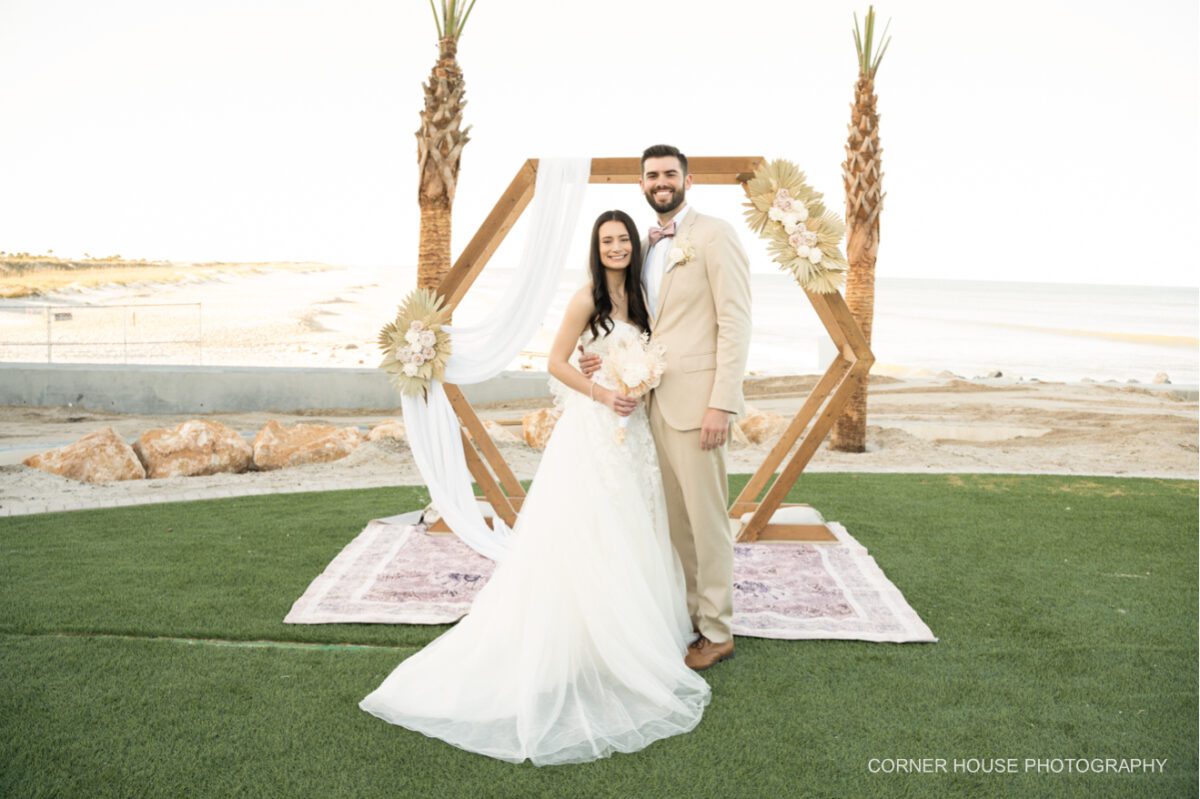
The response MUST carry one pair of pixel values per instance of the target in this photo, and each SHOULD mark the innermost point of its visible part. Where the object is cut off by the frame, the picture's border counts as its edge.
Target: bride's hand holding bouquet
(635, 366)
(615, 401)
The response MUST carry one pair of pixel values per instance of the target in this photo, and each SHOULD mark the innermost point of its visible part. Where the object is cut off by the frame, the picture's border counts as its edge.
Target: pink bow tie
(666, 231)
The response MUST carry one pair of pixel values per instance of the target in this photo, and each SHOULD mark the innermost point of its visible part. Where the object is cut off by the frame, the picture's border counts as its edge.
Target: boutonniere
(679, 255)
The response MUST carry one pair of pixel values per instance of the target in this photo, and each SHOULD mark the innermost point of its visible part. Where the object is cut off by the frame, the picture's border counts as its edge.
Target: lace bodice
(600, 346)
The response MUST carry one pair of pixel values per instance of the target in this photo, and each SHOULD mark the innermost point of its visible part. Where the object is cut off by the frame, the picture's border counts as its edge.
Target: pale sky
(1034, 140)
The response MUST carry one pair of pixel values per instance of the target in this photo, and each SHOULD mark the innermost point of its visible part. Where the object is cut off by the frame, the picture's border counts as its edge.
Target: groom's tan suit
(702, 317)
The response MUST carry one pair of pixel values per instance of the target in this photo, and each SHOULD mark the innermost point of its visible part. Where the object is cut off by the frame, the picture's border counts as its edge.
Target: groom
(697, 282)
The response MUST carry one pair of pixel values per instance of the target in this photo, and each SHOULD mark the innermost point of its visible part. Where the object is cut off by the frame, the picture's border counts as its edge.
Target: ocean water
(924, 327)
(1042, 330)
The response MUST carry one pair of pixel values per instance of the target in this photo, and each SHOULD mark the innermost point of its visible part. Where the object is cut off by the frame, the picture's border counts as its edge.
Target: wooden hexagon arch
(805, 433)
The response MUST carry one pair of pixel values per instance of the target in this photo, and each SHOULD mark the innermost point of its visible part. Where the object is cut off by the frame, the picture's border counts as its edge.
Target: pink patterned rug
(396, 573)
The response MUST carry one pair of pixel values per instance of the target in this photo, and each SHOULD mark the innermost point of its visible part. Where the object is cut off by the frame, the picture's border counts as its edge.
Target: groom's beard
(670, 205)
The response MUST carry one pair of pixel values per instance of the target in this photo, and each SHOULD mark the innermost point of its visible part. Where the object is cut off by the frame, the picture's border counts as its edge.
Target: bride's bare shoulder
(580, 309)
(582, 301)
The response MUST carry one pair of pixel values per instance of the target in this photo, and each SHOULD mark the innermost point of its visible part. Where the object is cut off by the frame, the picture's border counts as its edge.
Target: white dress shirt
(654, 265)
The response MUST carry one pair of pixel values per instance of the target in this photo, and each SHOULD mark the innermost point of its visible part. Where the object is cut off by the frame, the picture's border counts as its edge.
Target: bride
(575, 647)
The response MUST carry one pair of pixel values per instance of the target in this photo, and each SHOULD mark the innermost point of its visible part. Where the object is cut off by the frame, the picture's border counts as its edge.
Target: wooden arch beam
(516, 197)
(807, 430)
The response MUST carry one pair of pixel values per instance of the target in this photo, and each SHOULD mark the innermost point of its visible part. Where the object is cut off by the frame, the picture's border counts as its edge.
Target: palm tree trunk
(850, 430)
(440, 142)
(434, 248)
(862, 175)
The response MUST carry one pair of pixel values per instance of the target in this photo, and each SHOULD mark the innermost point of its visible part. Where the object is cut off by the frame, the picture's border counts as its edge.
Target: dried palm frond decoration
(801, 234)
(416, 345)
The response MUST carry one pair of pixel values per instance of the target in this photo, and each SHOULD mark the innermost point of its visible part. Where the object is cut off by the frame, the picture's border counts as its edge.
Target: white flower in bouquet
(635, 366)
(775, 213)
(793, 220)
(426, 353)
(804, 242)
(635, 373)
(411, 369)
(814, 255)
(427, 338)
(413, 337)
(795, 216)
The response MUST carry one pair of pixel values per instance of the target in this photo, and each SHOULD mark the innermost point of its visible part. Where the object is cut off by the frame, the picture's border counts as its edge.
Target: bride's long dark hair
(636, 303)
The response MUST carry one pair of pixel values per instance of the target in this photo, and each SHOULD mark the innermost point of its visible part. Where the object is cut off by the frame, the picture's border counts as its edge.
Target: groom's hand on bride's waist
(589, 362)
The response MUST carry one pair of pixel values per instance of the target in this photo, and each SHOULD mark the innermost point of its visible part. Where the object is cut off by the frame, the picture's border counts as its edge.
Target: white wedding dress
(574, 649)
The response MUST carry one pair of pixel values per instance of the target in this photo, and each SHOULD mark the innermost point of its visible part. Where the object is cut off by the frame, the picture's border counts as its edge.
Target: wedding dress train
(574, 649)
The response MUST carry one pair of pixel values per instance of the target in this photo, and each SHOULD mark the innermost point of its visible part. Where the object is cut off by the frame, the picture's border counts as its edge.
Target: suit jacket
(703, 321)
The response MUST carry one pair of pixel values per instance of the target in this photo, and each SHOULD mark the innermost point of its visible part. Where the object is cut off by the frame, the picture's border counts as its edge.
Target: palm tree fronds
(452, 18)
(864, 43)
(886, 41)
(462, 23)
(436, 19)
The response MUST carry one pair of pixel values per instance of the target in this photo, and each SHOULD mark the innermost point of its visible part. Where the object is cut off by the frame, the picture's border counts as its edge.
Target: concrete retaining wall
(221, 389)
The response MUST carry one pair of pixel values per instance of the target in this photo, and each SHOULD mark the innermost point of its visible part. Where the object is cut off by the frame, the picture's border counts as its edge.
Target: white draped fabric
(481, 351)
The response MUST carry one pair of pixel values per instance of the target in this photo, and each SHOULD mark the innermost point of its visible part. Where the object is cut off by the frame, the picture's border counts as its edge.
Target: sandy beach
(983, 426)
(282, 314)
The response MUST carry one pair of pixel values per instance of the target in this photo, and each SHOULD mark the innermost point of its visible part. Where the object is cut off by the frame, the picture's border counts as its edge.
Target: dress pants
(697, 496)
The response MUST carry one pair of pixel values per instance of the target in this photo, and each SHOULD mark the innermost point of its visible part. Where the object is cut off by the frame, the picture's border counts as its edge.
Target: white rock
(195, 447)
(99, 457)
(277, 446)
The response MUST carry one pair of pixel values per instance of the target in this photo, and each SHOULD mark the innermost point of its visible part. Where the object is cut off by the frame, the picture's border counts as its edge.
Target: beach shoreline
(329, 316)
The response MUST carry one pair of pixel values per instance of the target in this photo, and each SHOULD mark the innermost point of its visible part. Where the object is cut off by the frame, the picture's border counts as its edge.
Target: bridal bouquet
(635, 366)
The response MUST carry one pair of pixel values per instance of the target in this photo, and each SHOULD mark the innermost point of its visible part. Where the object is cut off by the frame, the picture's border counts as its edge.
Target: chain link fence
(166, 333)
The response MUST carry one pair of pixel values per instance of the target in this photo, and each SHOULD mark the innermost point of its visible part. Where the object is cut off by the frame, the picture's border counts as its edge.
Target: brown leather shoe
(705, 653)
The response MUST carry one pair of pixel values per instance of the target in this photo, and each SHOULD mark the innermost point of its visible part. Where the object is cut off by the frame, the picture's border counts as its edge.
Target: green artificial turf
(142, 653)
